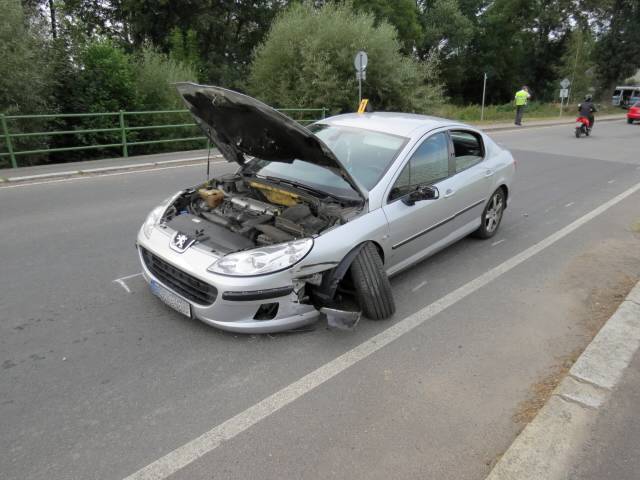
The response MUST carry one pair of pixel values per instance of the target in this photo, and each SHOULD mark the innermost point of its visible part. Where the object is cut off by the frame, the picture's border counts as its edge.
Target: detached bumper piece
(180, 282)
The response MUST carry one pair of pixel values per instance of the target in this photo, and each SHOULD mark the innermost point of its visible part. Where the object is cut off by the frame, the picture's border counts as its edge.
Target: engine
(256, 211)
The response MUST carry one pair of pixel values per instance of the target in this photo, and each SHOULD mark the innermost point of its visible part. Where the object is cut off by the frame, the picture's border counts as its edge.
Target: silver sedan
(317, 219)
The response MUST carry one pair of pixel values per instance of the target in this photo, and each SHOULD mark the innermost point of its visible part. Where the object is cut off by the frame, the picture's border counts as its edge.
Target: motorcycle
(582, 126)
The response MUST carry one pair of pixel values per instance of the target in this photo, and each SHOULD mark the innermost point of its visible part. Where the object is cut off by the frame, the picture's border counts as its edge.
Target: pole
(360, 80)
(123, 135)
(7, 139)
(561, 103)
(484, 89)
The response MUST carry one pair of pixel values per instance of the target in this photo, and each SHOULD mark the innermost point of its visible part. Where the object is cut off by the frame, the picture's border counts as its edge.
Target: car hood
(240, 125)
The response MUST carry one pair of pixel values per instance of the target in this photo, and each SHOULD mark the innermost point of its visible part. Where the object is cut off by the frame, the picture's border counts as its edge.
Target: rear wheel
(629, 120)
(371, 284)
(577, 132)
(492, 215)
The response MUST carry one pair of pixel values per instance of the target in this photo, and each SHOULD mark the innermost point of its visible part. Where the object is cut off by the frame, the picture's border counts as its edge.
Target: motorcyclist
(587, 109)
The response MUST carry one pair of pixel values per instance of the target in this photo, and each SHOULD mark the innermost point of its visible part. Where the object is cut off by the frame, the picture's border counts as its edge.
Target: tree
(617, 52)
(307, 61)
(577, 64)
(401, 14)
(23, 75)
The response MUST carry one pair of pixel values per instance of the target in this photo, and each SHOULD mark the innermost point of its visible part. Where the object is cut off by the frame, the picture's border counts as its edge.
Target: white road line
(129, 276)
(122, 284)
(498, 242)
(611, 181)
(209, 441)
(92, 177)
(419, 286)
(569, 204)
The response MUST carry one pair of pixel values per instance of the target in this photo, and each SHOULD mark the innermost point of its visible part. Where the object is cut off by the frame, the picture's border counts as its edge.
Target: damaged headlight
(268, 259)
(156, 214)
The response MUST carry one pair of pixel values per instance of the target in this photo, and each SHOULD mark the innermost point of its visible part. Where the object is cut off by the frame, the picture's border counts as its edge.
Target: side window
(468, 149)
(428, 164)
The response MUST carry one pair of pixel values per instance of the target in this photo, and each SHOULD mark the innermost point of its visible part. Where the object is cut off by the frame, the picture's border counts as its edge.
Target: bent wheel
(371, 284)
(491, 216)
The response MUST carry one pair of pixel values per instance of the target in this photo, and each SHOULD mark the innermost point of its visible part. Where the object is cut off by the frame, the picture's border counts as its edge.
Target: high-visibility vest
(521, 97)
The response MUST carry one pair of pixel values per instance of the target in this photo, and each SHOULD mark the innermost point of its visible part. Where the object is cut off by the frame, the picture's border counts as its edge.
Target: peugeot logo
(180, 242)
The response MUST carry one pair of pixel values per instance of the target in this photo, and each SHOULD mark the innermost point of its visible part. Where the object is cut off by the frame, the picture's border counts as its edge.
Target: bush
(307, 61)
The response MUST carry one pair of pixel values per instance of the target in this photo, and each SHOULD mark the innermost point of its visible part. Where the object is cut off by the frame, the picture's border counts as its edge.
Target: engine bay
(235, 212)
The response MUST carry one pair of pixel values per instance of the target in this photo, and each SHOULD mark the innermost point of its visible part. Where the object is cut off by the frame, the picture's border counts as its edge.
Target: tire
(587, 132)
(490, 221)
(577, 133)
(371, 284)
(629, 121)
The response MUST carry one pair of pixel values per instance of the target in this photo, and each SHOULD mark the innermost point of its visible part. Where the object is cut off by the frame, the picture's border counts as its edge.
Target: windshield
(365, 154)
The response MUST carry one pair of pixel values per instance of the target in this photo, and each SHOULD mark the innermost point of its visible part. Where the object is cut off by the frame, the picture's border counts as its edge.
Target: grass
(506, 112)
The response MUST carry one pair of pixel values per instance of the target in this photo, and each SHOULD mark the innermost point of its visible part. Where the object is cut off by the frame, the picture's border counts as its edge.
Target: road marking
(419, 286)
(124, 285)
(212, 439)
(498, 242)
(129, 276)
(611, 181)
(569, 204)
(91, 177)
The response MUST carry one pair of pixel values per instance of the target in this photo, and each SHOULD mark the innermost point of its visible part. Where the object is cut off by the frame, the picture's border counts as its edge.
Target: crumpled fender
(323, 294)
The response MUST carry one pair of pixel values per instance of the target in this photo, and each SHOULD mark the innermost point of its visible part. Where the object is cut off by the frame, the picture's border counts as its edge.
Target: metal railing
(122, 125)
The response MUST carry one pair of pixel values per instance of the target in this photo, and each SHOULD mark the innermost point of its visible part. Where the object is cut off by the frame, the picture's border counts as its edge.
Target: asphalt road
(99, 379)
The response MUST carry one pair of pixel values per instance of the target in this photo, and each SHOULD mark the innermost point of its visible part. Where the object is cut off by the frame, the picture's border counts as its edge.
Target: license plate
(170, 298)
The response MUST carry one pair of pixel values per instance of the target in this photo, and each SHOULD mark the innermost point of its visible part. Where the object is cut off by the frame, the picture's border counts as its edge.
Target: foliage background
(426, 56)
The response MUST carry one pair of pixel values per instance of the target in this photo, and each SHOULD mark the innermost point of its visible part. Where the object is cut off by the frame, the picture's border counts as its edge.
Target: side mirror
(422, 192)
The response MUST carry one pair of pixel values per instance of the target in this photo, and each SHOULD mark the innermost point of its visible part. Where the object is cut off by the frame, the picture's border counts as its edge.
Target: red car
(634, 113)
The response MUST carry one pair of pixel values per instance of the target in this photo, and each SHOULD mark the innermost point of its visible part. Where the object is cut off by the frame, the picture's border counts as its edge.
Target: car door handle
(449, 192)
(488, 173)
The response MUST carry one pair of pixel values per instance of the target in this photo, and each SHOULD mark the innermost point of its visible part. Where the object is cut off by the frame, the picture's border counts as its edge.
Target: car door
(472, 180)
(415, 229)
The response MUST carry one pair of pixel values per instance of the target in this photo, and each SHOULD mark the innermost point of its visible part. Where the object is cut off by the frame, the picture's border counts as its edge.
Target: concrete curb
(102, 170)
(537, 125)
(547, 446)
(146, 165)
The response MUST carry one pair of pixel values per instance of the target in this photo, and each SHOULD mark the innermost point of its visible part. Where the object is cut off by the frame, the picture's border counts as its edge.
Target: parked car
(624, 96)
(316, 219)
(634, 113)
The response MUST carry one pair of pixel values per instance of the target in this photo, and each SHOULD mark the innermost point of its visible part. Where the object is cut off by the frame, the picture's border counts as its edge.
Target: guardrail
(121, 125)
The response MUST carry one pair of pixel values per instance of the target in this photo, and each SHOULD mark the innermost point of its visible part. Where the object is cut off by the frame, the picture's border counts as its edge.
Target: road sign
(565, 83)
(361, 75)
(360, 61)
(564, 93)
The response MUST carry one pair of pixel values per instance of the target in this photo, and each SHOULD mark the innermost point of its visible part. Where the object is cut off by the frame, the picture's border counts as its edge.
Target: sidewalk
(589, 429)
(613, 448)
(60, 170)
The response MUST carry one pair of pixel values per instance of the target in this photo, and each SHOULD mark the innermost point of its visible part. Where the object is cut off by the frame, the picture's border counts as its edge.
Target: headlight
(156, 214)
(269, 259)
(152, 220)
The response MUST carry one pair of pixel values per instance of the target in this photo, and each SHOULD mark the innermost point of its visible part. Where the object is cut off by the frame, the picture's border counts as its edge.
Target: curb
(140, 166)
(546, 447)
(550, 124)
(101, 170)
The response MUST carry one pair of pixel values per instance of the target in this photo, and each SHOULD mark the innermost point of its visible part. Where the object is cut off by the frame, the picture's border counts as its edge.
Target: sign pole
(484, 88)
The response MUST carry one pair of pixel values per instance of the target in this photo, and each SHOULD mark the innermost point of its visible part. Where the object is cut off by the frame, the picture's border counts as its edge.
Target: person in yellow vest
(522, 97)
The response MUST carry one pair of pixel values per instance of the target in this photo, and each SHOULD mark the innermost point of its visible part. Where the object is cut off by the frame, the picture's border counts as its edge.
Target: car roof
(402, 124)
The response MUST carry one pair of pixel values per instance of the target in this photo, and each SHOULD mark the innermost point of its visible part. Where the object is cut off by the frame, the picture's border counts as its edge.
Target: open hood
(239, 125)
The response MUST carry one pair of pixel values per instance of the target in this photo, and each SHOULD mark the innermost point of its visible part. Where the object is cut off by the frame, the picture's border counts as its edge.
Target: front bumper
(238, 299)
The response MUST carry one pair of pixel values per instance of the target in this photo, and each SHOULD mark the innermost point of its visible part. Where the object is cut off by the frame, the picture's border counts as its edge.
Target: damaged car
(316, 219)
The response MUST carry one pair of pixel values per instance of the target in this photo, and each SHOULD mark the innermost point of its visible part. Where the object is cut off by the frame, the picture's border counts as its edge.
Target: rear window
(468, 149)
